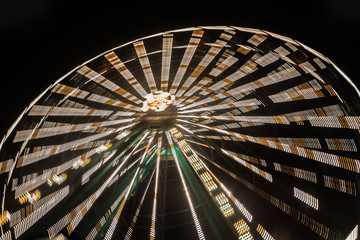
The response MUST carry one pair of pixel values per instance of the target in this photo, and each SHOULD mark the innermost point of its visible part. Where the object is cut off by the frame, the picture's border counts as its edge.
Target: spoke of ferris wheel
(273, 78)
(193, 213)
(95, 230)
(81, 209)
(101, 80)
(297, 172)
(263, 233)
(92, 234)
(145, 64)
(48, 150)
(186, 59)
(243, 157)
(333, 144)
(207, 144)
(153, 215)
(184, 128)
(42, 178)
(122, 69)
(208, 101)
(237, 203)
(210, 55)
(82, 94)
(166, 61)
(135, 148)
(61, 128)
(308, 90)
(251, 167)
(140, 164)
(121, 204)
(350, 122)
(32, 218)
(243, 103)
(39, 180)
(43, 203)
(42, 154)
(228, 61)
(144, 147)
(224, 83)
(339, 144)
(73, 222)
(198, 128)
(85, 177)
(227, 82)
(38, 110)
(88, 144)
(134, 219)
(255, 119)
(319, 156)
(114, 222)
(243, 230)
(310, 223)
(346, 122)
(200, 144)
(199, 85)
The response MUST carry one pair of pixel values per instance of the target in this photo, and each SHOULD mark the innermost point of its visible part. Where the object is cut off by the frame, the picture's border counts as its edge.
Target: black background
(42, 40)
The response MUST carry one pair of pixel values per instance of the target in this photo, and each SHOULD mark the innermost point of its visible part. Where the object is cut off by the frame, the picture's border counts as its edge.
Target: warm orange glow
(157, 101)
(4, 218)
(30, 197)
(57, 179)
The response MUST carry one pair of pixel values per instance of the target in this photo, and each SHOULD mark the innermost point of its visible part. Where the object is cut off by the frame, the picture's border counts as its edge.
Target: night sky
(43, 40)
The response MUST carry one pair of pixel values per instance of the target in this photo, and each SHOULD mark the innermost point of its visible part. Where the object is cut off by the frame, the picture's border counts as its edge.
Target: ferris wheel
(215, 132)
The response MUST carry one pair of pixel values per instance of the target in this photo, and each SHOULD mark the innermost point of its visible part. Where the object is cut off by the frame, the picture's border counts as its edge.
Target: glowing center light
(157, 101)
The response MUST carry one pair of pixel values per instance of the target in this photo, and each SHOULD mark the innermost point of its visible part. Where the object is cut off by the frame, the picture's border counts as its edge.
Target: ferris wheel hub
(158, 101)
(162, 120)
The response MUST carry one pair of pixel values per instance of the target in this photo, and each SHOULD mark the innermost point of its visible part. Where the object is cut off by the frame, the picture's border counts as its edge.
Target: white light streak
(182, 127)
(87, 203)
(30, 220)
(153, 215)
(141, 161)
(145, 64)
(189, 52)
(193, 213)
(306, 198)
(133, 222)
(353, 234)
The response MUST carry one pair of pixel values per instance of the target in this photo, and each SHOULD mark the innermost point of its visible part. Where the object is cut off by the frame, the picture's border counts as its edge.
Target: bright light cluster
(30, 197)
(306, 198)
(264, 234)
(57, 179)
(81, 163)
(243, 230)
(157, 101)
(193, 213)
(225, 207)
(4, 218)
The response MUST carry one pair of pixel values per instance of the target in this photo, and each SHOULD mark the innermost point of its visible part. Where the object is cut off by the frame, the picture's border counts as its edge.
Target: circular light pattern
(197, 133)
(157, 101)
